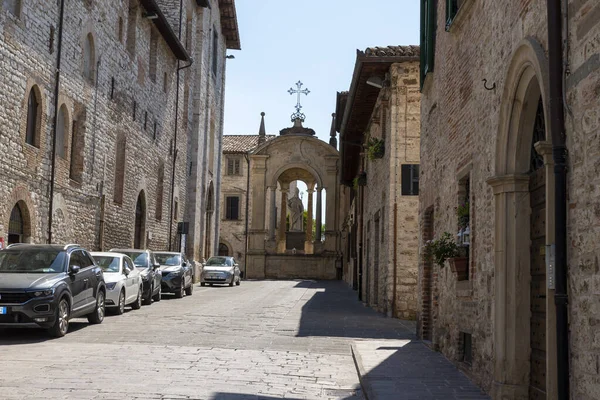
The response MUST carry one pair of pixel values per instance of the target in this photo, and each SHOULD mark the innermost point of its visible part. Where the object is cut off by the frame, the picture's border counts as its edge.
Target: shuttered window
(428, 29)
(410, 180)
(232, 208)
(233, 166)
(452, 7)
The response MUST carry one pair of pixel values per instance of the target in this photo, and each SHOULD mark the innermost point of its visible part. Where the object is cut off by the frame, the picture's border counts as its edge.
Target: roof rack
(16, 244)
(67, 246)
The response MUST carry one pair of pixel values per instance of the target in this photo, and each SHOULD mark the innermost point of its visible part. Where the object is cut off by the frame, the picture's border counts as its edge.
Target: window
(16, 225)
(215, 61)
(153, 54)
(188, 34)
(61, 126)
(112, 87)
(232, 208)
(410, 180)
(452, 7)
(88, 58)
(13, 7)
(119, 169)
(428, 29)
(223, 250)
(159, 191)
(165, 83)
(233, 166)
(33, 111)
(120, 30)
(467, 347)
(131, 27)
(176, 210)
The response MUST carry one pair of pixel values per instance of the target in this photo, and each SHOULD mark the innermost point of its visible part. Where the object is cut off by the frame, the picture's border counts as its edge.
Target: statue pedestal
(309, 248)
(295, 240)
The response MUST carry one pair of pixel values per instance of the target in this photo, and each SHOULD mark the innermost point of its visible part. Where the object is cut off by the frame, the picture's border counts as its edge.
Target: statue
(296, 212)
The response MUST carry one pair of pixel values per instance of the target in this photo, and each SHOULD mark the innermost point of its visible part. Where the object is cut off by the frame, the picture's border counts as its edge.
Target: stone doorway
(16, 226)
(139, 236)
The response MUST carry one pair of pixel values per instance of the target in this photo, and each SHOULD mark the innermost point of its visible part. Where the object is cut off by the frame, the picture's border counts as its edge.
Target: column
(309, 217)
(272, 212)
(319, 213)
(282, 220)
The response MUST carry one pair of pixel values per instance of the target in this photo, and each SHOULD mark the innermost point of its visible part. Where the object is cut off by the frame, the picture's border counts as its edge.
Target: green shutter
(428, 30)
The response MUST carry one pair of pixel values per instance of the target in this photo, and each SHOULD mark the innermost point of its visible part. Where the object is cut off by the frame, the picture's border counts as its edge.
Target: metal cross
(298, 114)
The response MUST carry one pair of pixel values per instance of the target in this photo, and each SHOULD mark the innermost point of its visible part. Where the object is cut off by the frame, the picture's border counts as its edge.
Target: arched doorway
(16, 226)
(210, 207)
(223, 250)
(139, 236)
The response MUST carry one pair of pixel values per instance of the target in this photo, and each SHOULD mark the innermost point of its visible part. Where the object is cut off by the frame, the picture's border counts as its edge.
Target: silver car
(219, 269)
(123, 281)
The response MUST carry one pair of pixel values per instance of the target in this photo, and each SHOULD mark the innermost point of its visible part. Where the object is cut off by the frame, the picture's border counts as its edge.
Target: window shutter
(410, 179)
(237, 167)
(415, 180)
(235, 208)
(405, 180)
(229, 166)
(428, 29)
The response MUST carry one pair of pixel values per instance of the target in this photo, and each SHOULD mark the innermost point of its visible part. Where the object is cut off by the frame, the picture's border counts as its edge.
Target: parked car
(149, 270)
(47, 285)
(220, 270)
(124, 285)
(177, 273)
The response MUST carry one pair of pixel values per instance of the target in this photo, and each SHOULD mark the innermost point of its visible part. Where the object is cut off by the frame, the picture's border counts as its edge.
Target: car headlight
(43, 293)
(111, 286)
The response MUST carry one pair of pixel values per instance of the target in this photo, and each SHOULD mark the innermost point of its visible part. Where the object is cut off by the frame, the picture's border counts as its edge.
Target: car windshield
(168, 259)
(218, 261)
(107, 263)
(140, 258)
(36, 261)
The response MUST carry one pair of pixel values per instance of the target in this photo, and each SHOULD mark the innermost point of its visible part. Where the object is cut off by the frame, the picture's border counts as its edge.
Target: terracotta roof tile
(393, 51)
(241, 143)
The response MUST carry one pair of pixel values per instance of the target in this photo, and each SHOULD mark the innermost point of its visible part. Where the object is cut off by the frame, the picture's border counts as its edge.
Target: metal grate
(539, 135)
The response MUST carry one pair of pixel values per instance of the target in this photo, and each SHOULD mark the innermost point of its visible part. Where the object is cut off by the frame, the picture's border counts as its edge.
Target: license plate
(2, 310)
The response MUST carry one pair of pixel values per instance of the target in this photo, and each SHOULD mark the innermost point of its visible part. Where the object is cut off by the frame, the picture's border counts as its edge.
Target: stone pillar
(319, 213)
(282, 221)
(272, 212)
(308, 245)
(511, 302)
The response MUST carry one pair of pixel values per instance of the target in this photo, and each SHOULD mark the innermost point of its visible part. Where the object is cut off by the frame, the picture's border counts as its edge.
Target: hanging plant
(360, 179)
(375, 148)
(439, 250)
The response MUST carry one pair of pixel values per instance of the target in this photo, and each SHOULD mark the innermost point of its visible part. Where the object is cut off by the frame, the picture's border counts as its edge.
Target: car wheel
(97, 316)
(232, 281)
(158, 296)
(148, 300)
(138, 302)
(202, 284)
(179, 293)
(239, 281)
(61, 323)
(121, 308)
(190, 289)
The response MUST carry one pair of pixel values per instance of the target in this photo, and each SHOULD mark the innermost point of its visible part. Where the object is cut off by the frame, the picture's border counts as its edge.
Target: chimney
(262, 138)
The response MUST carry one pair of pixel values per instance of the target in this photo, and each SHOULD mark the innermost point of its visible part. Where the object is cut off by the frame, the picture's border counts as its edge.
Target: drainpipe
(215, 249)
(56, 90)
(360, 235)
(559, 150)
(175, 133)
(246, 156)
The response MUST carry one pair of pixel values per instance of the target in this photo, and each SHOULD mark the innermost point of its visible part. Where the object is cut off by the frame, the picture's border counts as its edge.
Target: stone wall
(396, 119)
(460, 128)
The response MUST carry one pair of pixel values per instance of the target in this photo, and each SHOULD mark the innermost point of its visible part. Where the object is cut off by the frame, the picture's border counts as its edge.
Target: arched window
(33, 111)
(119, 169)
(223, 250)
(15, 226)
(131, 26)
(61, 127)
(120, 30)
(159, 190)
(77, 148)
(88, 57)
(153, 54)
(139, 238)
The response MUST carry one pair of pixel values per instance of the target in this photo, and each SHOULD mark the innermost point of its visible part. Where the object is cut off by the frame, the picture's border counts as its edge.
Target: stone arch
(33, 119)
(63, 124)
(225, 248)
(89, 56)
(274, 179)
(526, 83)
(21, 196)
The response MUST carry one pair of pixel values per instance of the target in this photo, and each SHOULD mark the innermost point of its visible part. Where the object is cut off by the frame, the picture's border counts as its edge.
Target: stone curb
(360, 369)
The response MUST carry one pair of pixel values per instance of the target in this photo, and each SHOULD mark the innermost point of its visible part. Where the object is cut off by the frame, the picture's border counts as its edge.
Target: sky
(314, 41)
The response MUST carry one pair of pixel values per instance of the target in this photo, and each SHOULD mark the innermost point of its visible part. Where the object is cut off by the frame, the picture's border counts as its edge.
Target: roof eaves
(229, 24)
(166, 30)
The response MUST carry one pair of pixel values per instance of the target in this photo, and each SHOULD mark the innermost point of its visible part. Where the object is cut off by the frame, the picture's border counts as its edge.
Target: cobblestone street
(267, 340)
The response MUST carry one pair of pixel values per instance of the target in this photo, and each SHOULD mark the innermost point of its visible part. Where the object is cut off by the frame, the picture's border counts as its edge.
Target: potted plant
(375, 148)
(439, 250)
(460, 263)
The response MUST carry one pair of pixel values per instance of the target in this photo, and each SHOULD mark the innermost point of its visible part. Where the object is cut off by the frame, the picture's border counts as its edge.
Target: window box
(375, 148)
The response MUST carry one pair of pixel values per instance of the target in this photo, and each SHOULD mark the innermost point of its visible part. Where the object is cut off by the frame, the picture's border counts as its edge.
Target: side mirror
(156, 266)
(74, 269)
(126, 271)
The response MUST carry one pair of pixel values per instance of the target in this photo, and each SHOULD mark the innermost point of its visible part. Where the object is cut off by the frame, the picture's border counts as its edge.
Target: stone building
(121, 102)
(487, 164)
(378, 121)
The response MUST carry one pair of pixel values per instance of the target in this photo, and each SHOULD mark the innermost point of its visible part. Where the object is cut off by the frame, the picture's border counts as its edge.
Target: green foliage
(375, 148)
(439, 250)
(462, 212)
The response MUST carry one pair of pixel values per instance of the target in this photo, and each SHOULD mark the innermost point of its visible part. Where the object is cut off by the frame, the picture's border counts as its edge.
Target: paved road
(261, 340)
